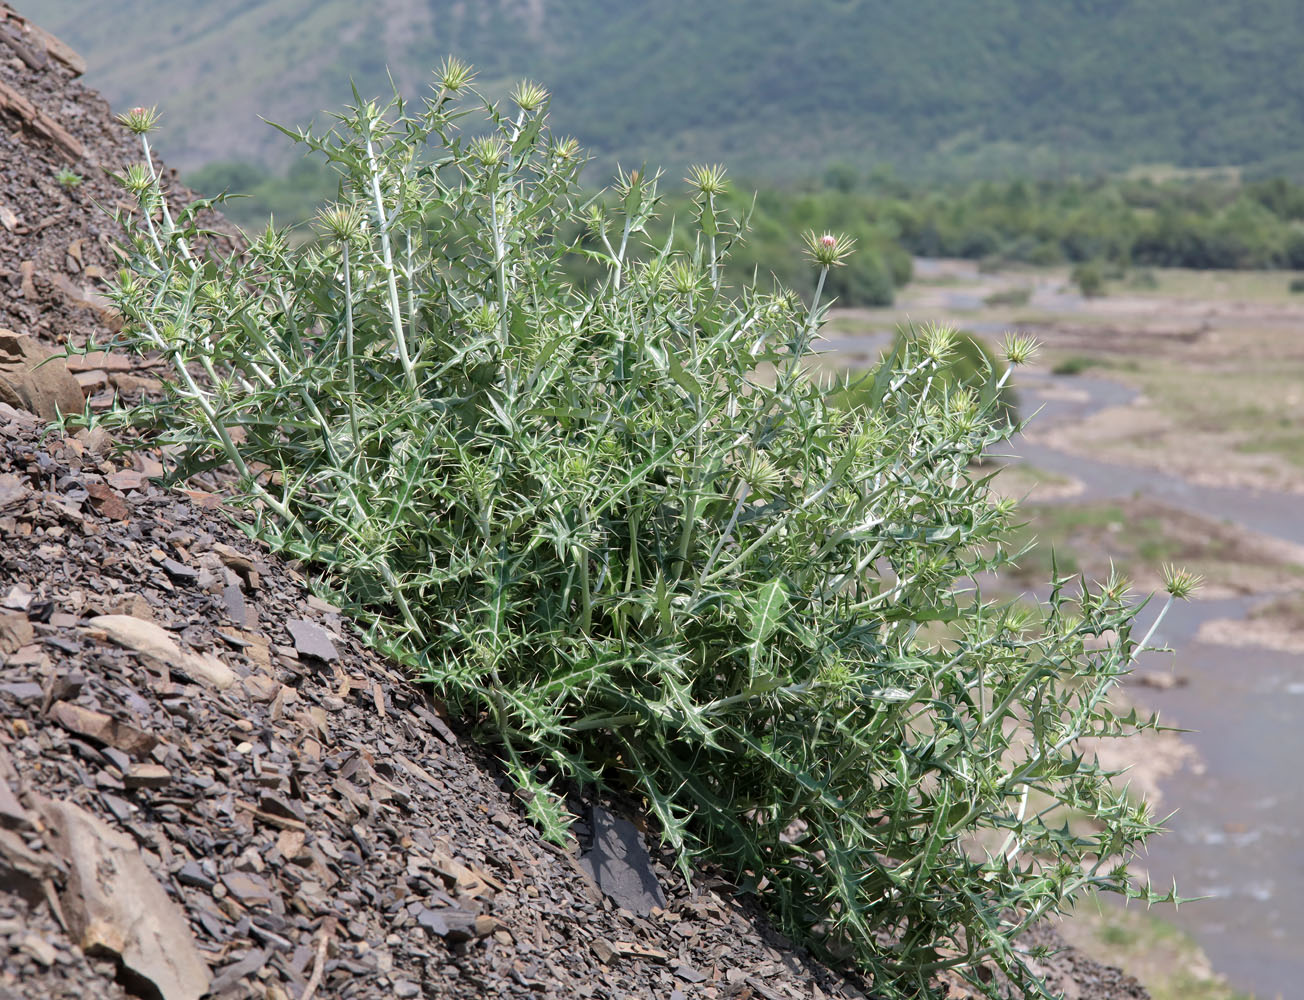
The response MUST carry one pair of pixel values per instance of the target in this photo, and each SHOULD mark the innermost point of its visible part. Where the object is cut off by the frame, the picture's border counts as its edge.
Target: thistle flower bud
(140, 120)
(566, 149)
(490, 150)
(828, 250)
(138, 178)
(709, 180)
(529, 96)
(340, 222)
(128, 285)
(454, 74)
(760, 475)
(1181, 583)
(939, 342)
(1019, 349)
(684, 278)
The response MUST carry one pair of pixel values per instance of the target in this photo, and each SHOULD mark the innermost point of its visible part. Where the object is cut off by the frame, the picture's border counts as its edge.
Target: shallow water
(1237, 836)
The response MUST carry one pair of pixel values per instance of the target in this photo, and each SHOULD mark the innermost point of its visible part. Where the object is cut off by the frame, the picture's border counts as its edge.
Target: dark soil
(318, 826)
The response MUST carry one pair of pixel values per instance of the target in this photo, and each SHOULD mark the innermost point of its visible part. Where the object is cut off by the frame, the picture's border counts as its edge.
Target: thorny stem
(348, 350)
(396, 314)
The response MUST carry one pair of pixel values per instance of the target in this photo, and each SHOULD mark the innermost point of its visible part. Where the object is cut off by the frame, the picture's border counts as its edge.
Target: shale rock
(31, 378)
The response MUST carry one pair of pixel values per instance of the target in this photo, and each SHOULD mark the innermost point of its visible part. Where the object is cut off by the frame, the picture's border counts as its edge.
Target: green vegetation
(1135, 223)
(68, 178)
(576, 509)
(969, 367)
(772, 248)
(1089, 276)
(1113, 229)
(1009, 297)
(1076, 364)
(934, 88)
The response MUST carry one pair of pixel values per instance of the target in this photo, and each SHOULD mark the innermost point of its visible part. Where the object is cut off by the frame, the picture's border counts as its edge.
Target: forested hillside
(777, 89)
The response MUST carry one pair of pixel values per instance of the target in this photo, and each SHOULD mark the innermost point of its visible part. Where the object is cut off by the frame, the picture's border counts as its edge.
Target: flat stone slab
(620, 864)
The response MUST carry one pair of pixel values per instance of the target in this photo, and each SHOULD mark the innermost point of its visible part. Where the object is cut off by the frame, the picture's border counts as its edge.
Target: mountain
(777, 89)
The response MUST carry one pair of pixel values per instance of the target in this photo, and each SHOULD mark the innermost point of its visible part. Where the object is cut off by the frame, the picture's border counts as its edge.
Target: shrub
(1075, 364)
(1090, 279)
(589, 519)
(1018, 296)
(1296, 285)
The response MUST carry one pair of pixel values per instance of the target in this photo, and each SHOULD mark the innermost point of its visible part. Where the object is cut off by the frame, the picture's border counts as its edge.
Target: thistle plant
(622, 530)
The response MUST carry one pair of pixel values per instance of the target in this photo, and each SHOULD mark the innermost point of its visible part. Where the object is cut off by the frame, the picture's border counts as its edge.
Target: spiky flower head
(490, 150)
(1019, 349)
(483, 318)
(529, 96)
(270, 243)
(140, 120)
(595, 219)
(453, 74)
(566, 149)
(128, 285)
(138, 179)
(759, 473)
(340, 222)
(684, 278)
(939, 342)
(828, 250)
(709, 180)
(1181, 583)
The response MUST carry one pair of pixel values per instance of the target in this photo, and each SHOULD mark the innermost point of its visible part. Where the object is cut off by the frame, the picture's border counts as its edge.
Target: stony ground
(209, 786)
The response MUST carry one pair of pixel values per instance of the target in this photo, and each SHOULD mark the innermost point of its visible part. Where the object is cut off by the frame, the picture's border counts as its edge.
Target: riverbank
(1169, 428)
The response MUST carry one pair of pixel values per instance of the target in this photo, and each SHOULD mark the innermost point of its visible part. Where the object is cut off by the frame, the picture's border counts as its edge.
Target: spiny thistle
(140, 120)
(828, 250)
(529, 96)
(583, 512)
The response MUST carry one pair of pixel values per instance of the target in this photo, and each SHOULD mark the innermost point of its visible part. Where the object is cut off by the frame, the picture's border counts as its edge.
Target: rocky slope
(208, 785)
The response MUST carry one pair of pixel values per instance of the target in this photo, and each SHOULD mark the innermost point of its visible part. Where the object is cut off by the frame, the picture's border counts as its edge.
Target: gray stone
(192, 874)
(620, 864)
(310, 639)
(180, 571)
(236, 610)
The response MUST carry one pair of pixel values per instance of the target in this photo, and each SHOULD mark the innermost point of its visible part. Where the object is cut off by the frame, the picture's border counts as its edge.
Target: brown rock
(87, 298)
(20, 862)
(152, 642)
(15, 631)
(108, 501)
(12, 813)
(103, 728)
(39, 122)
(99, 361)
(126, 479)
(113, 904)
(147, 776)
(41, 39)
(127, 383)
(33, 379)
(13, 490)
(91, 382)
